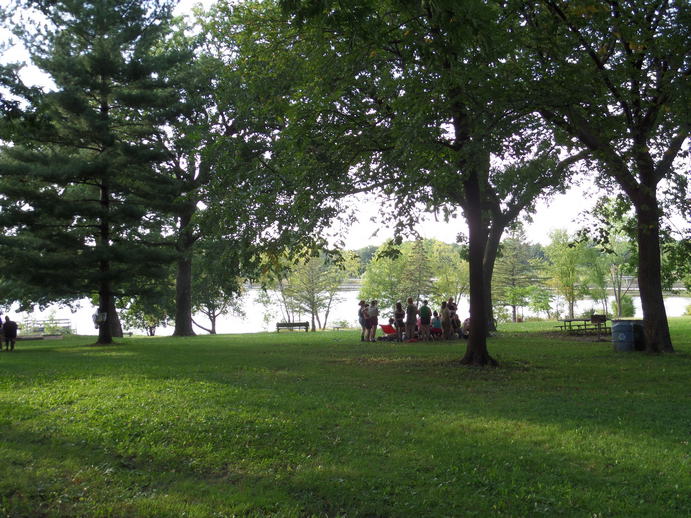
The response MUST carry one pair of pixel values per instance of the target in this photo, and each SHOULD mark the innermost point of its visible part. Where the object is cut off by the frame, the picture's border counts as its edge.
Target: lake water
(258, 318)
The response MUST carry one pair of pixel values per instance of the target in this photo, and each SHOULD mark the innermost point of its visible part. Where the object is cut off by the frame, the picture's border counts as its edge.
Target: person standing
(436, 331)
(373, 313)
(410, 319)
(362, 317)
(446, 320)
(425, 321)
(9, 329)
(398, 317)
(451, 304)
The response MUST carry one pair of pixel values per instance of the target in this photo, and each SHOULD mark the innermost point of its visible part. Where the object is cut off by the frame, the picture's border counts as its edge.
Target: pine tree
(79, 188)
(514, 273)
(417, 273)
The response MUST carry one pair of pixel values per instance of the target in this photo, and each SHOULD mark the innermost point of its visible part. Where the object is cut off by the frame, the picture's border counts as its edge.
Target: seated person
(456, 325)
(465, 328)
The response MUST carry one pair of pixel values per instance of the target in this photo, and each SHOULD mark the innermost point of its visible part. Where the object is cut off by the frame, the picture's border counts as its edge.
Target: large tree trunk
(490, 257)
(655, 325)
(105, 336)
(476, 351)
(212, 318)
(114, 319)
(183, 279)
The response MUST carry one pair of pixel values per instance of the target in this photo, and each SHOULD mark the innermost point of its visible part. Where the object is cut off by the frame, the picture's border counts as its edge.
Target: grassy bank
(298, 424)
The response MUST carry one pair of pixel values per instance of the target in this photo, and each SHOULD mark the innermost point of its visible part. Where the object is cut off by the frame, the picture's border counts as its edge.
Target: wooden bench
(292, 325)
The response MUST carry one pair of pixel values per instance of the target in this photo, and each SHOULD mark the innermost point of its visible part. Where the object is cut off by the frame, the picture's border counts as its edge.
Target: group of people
(9, 334)
(413, 323)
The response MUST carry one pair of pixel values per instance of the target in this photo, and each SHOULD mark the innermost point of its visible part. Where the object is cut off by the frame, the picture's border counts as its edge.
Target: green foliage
(516, 272)
(150, 309)
(296, 424)
(539, 299)
(566, 268)
(423, 269)
(79, 186)
(599, 269)
(382, 281)
(311, 286)
(676, 262)
(449, 271)
(279, 170)
(216, 286)
(613, 81)
(502, 314)
(624, 308)
(611, 253)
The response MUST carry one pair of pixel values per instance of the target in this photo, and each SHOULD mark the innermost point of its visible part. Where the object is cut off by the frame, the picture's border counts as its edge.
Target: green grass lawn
(297, 424)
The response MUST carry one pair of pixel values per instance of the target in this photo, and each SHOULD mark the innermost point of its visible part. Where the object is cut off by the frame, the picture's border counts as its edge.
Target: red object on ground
(388, 329)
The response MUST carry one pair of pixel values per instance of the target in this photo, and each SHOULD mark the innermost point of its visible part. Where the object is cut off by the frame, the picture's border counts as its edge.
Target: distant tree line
(547, 280)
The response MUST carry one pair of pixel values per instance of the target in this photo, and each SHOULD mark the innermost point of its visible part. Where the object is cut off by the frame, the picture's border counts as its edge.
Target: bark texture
(183, 279)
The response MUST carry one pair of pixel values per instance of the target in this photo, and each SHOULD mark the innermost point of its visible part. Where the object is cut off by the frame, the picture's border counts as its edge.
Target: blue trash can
(627, 335)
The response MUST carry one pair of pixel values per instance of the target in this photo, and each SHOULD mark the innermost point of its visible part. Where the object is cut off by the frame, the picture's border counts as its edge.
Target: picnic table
(580, 326)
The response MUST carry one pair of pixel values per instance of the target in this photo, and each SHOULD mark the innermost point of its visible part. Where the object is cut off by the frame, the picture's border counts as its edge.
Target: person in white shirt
(373, 312)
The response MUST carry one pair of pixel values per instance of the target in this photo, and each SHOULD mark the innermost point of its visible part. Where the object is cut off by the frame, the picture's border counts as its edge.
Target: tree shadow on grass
(460, 467)
(399, 434)
(523, 389)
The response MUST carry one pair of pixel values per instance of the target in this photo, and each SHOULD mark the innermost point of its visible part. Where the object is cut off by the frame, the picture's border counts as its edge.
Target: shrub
(627, 308)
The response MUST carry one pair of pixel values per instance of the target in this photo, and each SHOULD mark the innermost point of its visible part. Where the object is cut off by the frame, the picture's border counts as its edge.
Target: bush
(501, 314)
(688, 311)
(587, 314)
(627, 309)
(345, 324)
(533, 319)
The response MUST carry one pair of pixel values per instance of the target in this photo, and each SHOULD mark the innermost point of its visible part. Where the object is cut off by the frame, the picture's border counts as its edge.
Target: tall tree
(399, 271)
(514, 273)
(514, 190)
(613, 76)
(149, 309)
(216, 148)
(566, 268)
(430, 96)
(383, 278)
(611, 230)
(217, 289)
(312, 286)
(418, 273)
(449, 271)
(270, 162)
(598, 276)
(79, 183)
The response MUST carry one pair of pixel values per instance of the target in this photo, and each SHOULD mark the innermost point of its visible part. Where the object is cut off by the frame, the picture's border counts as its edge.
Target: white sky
(561, 212)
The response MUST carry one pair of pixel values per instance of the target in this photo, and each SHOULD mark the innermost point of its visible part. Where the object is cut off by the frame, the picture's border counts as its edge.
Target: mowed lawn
(320, 424)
